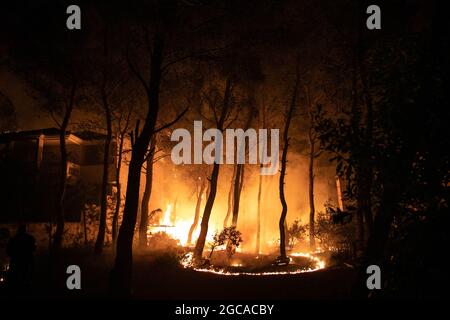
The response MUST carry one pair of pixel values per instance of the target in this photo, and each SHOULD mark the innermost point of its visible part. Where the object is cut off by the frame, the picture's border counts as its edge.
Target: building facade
(30, 171)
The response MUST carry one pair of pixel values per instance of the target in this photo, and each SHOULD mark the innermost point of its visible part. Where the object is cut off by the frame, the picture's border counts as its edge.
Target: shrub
(295, 233)
(230, 236)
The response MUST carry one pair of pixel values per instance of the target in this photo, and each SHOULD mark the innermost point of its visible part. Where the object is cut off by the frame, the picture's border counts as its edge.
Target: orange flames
(178, 229)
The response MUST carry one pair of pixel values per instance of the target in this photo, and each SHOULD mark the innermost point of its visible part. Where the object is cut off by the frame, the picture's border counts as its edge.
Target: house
(30, 170)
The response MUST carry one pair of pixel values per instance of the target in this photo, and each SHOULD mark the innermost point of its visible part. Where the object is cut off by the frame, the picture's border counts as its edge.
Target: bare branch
(205, 117)
(55, 119)
(232, 121)
(160, 157)
(169, 124)
(134, 70)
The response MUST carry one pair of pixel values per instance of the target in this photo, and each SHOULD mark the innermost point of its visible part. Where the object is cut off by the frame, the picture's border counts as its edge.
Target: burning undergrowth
(225, 255)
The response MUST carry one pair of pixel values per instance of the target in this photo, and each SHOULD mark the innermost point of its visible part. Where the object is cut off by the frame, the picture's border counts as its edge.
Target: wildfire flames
(178, 229)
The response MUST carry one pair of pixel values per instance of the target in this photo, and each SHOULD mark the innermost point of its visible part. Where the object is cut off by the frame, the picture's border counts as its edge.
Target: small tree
(228, 235)
(295, 233)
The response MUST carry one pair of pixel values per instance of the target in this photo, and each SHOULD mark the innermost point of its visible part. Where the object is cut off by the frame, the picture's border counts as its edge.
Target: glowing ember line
(320, 264)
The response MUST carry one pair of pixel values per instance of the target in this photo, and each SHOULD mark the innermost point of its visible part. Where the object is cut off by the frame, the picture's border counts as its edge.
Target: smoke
(176, 185)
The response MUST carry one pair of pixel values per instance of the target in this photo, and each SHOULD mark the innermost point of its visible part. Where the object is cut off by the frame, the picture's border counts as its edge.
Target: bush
(295, 233)
(335, 231)
(230, 236)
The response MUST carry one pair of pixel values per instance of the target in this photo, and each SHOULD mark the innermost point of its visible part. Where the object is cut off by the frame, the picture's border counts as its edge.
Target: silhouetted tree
(230, 198)
(143, 225)
(201, 186)
(289, 115)
(220, 123)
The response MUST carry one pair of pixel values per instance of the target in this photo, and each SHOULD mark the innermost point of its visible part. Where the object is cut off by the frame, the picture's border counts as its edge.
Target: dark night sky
(274, 27)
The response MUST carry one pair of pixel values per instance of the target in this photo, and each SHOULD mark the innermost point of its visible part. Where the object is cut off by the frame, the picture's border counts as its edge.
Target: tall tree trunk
(366, 163)
(115, 222)
(238, 183)
(286, 238)
(106, 163)
(312, 242)
(230, 198)
(363, 166)
(239, 179)
(237, 189)
(283, 201)
(258, 211)
(197, 211)
(394, 182)
(121, 274)
(375, 249)
(258, 216)
(199, 246)
(284, 210)
(363, 136)
(143, 226)
(312, 155)
(356, 142)
(57, 238)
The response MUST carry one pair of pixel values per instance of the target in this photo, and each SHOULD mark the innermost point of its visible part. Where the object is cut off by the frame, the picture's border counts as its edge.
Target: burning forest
(263, 146)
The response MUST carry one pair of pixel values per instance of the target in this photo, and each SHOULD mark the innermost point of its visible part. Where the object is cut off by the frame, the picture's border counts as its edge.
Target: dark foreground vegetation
(175, 282)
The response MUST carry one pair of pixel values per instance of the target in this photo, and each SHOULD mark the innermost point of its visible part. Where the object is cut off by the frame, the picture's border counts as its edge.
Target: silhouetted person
(20, 249)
